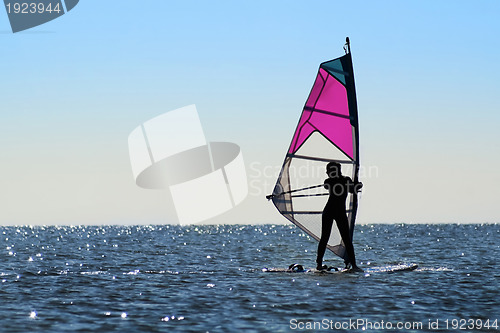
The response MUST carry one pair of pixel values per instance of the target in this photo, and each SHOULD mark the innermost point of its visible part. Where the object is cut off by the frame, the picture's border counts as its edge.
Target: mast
(352, 99)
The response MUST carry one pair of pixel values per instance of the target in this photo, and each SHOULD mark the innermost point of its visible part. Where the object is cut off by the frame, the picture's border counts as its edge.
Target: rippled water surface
(209, 278)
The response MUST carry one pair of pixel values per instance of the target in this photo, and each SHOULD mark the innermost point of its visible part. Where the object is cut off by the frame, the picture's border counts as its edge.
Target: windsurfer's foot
(356, 269)
(322, 267)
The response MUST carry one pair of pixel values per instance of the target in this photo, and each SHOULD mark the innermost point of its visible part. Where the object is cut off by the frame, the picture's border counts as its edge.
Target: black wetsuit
(338, 188)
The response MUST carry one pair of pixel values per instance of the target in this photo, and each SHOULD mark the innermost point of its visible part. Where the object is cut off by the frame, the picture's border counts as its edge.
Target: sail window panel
(318, 146)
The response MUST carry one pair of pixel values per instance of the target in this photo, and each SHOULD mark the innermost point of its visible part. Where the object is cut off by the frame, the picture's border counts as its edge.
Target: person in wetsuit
(338, 187)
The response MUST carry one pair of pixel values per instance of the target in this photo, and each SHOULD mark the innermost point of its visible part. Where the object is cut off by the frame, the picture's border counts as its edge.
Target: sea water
(209, 278)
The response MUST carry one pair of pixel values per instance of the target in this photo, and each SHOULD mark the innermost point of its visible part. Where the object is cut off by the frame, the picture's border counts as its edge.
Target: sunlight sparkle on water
(168, 318)
(60, 272)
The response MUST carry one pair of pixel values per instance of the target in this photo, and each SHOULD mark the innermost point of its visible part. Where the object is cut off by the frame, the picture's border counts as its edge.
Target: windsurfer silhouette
(338, 187)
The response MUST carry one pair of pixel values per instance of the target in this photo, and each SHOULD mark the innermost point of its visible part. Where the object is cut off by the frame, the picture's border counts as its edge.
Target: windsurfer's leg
(326, 230)
(343, 226)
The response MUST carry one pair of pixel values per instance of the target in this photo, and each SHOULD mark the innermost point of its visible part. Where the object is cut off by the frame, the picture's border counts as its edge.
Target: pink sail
(327, 112)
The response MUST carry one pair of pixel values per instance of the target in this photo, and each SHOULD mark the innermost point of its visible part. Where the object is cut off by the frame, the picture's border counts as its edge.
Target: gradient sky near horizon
(427, 78)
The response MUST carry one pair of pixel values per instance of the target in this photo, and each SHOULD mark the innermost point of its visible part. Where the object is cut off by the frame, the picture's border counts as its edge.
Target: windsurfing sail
(327, 131)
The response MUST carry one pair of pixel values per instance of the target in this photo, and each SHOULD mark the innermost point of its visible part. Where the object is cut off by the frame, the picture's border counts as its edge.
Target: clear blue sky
(427, 76)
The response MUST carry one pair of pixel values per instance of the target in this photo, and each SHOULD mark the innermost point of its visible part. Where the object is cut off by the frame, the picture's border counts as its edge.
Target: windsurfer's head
(333, 170)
